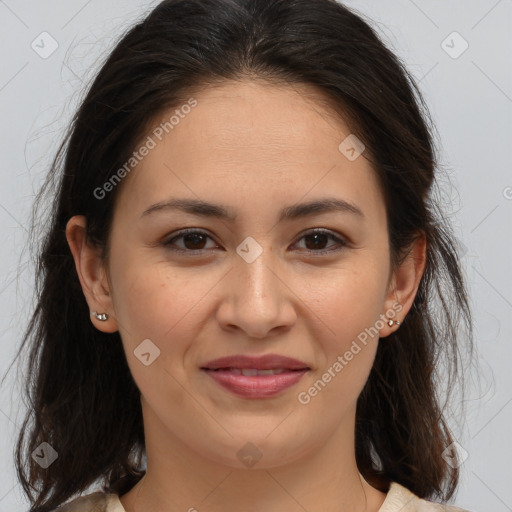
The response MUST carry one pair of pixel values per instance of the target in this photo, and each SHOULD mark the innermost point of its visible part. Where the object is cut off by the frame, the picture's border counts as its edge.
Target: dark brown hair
(82, 398)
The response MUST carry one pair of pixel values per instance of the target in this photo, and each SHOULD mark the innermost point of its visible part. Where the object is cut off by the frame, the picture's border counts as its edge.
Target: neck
(179, 478)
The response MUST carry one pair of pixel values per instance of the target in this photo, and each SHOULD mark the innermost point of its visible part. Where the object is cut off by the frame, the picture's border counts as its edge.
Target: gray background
(470, 98)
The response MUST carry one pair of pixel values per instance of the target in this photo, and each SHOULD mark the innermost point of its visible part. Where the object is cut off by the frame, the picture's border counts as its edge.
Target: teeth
(270, 372)
(251, 372)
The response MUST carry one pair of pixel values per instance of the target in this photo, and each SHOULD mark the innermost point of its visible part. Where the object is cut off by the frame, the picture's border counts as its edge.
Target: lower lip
(256, 386)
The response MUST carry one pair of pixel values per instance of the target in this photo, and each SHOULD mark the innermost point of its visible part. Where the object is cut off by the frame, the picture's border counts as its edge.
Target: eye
(317, 239)
(194, 241)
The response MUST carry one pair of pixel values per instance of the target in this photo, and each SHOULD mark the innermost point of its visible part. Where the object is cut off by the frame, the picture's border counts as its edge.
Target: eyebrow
(205, 209)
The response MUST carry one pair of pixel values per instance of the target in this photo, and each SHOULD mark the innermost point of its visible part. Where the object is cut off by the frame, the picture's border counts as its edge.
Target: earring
(100, 316)
(391, 322)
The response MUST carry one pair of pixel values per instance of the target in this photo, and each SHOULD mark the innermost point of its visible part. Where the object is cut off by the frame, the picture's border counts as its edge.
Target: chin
(264, 449)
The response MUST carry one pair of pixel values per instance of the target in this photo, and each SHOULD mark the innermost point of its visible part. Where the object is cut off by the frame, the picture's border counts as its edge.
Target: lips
(265, 363)
(256, 377)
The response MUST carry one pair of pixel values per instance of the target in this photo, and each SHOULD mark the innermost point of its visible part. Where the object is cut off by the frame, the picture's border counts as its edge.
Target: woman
(245, 285)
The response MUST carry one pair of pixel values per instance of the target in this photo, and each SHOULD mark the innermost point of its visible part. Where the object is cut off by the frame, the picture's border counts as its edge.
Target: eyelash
(199, 252)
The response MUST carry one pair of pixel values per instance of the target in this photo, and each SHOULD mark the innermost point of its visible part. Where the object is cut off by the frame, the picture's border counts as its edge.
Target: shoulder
(98, 501)
(401, 499)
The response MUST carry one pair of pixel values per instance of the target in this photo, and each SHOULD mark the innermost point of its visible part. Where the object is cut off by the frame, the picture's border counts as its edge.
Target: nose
(257, 299)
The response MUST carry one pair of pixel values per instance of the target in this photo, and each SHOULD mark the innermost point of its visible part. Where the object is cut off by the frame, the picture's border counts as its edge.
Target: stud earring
(393, 322)
(100, 316)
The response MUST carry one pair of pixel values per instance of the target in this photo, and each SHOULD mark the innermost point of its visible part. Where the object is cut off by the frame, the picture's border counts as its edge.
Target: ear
(92, 273)
(403, 285)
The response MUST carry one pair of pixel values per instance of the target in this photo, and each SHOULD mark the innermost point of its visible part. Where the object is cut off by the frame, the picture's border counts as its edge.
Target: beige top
(398, 499)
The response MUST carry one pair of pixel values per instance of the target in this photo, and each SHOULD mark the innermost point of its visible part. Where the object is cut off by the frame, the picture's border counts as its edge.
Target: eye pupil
(316, 245)
(197, 239)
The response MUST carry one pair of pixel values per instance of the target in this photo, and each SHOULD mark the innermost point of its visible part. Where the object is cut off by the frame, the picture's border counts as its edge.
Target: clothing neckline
(397, 496)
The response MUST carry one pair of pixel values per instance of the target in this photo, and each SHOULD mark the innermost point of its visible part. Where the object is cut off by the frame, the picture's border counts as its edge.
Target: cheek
(350, 301)
(160, 307)
(156, 302)
(349, 346)
(349, 306)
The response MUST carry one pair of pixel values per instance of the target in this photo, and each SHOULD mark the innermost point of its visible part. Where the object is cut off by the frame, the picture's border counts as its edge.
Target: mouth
(267, 363)
(251, 372)
(256, 377)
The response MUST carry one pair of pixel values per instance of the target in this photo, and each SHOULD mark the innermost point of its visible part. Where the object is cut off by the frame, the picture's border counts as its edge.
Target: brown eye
(316, 242)
(192, 241)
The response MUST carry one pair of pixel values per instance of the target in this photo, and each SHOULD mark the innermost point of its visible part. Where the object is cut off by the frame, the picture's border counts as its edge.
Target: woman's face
(254, 282)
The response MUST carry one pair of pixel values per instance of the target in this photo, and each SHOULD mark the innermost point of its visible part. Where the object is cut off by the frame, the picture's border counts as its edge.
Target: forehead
(246, 138)
(261, 117)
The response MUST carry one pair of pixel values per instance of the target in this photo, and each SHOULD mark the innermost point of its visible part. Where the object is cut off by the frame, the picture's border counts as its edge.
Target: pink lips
(265, 376)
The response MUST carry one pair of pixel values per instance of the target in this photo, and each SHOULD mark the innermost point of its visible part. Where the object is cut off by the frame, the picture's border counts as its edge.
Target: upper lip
(266, 362)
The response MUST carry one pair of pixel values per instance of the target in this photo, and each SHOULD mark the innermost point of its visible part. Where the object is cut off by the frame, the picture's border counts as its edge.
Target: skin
(254, 148)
